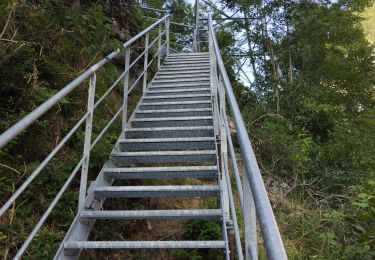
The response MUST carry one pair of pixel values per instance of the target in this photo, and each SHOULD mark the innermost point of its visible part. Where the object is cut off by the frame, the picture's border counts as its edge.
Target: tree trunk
(248, 37)
(290, 65)
(275, 68)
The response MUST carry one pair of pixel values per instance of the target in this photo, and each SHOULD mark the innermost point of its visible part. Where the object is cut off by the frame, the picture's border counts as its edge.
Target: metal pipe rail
(271, 236)
(186, 36)
(90, 74)
(171, 23)
(153, 9)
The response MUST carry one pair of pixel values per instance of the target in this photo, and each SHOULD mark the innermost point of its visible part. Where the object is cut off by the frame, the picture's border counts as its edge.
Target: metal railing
(252, 193)
(162, 44)
(179, 41)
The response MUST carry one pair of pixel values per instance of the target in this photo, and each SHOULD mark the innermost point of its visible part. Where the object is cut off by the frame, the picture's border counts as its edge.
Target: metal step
(189, 70)
(175, 105)
(180, 80)
(205, 62)
(72, 247)
(184, 66)
(183, 60)
(188, 57)
(167, 144)
(177, 80)
(157, 191)
(187, 67)
(183, 76)
(152, 214)
(199, 57)
(178, 91)
(191, 54)
(195, 97)
(164, 156)
(205, 172)
(182, 73)
(172, 121)
(170, 132)
(173, 112)
(180, 86)
(196, 73)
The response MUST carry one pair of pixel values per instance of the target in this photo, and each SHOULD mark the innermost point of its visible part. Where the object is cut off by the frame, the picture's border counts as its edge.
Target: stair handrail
(271, 235)
(90, 74)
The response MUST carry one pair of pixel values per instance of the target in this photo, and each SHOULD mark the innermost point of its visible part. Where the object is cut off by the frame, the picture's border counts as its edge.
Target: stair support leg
(87, 142)
(80, 230)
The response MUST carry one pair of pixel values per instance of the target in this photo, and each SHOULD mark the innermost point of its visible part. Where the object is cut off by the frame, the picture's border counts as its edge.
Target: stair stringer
(80, 230)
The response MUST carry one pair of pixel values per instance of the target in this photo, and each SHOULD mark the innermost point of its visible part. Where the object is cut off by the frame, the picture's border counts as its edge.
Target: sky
(246, 69)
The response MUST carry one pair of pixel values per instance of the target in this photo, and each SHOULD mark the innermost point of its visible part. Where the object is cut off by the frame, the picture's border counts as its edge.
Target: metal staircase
(173, 123)
(178, 130)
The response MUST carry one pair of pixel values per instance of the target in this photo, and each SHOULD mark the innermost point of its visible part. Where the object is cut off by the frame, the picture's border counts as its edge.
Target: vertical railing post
(249, 218)
(196, 31)
(213, 81)
(87, 141)
(223, 146)
(159, 46)
(212, 76)
(195, 41)
(167, 36)
(145, 63)
(126, 88)
(210, 49)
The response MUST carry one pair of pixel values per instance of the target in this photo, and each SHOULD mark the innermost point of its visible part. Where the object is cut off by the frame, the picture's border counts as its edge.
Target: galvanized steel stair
(172, 125)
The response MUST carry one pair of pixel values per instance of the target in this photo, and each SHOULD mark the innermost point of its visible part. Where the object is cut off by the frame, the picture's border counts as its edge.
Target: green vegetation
(200, 230)
(312, 125)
